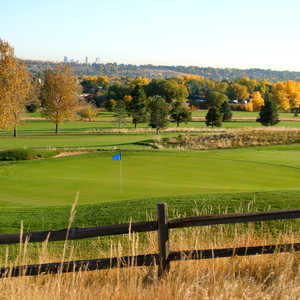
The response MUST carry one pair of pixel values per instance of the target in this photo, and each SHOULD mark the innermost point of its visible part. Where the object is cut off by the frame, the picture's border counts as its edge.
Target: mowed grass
(43, 129)
(41, 192)
(202, 113)
(83, 141)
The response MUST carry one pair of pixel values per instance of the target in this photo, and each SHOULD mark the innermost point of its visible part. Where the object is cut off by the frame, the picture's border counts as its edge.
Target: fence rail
(162, 226)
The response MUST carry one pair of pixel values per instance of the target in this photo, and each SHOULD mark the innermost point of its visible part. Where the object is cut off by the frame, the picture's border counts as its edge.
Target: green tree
(214, 117)
(216, 99)
(169, 89)
(180, 113)
(268, 115)
(121, 113)
(226, 111)
(89, 86)
(138, 109)
(33, 102)
(110, 105)
(159, 111)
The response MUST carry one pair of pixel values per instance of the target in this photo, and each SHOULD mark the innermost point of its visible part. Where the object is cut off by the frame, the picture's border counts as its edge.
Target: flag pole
(121, 174)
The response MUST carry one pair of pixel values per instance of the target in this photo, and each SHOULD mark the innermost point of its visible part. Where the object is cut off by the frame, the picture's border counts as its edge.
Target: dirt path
(63, 154)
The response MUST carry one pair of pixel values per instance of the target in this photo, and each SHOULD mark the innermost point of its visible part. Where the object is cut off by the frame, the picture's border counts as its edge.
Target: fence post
(163, 239)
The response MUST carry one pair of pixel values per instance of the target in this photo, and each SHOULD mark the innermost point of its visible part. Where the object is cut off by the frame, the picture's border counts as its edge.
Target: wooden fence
(162, 259)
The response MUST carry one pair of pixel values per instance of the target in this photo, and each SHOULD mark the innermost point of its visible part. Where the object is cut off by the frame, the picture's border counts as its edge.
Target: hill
(152, 71)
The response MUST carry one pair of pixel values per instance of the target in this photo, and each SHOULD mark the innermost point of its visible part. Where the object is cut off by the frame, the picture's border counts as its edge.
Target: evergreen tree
(121, 113)
(226, 111)
(214, 117)
(138, 109)
(268, 115)
(159, 111)
(180, 113)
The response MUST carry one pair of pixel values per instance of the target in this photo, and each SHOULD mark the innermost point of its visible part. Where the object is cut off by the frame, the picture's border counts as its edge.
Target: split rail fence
(164, 256)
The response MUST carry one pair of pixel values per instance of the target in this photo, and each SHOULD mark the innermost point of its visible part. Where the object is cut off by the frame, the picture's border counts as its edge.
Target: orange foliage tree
(14, 87)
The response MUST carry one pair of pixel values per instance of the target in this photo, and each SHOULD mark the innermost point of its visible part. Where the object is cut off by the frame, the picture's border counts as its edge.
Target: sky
(216, 33)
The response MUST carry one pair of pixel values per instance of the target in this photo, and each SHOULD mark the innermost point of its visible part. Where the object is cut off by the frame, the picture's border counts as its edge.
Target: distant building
(65, 59)
(86, 60)
(97, 61)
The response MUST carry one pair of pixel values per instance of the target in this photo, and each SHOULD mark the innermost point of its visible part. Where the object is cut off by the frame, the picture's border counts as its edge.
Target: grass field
(44, 128)
(41, 192)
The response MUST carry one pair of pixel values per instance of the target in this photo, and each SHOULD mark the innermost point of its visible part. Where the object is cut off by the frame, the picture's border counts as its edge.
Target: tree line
(153, 71)
(154, 101)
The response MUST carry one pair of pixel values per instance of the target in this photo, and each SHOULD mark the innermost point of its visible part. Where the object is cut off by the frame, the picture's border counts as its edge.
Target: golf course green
(41, 192)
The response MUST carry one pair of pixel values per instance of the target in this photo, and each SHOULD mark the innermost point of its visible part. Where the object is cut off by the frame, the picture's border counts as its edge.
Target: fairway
(147, 174)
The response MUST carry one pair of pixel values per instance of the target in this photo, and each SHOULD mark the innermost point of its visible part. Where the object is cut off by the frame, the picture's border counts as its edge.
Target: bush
(25, 154)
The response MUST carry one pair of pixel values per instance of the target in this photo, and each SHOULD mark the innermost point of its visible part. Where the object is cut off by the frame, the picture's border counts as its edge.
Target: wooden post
(163, 239)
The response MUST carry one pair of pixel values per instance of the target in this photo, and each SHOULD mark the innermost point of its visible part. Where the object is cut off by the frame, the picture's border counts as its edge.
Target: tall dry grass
(274, 276)
(235, 138)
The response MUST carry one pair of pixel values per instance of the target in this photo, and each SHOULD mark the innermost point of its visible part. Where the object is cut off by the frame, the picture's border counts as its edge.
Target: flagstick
(121, 175)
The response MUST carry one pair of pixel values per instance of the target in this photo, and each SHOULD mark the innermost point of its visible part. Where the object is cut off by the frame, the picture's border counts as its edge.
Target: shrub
(88, 113)
(25, 154)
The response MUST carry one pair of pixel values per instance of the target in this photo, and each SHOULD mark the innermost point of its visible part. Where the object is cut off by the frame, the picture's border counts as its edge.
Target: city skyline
(215, 34)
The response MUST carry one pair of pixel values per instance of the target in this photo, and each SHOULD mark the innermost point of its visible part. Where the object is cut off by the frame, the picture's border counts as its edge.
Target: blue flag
(117, 157)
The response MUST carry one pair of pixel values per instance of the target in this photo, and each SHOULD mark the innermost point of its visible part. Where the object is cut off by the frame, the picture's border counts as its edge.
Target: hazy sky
(218, 33)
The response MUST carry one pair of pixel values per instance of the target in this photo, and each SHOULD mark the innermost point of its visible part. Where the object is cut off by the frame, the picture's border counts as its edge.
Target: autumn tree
(250, 84)
(88, 113)
(159, 111)
(14, 87)
(60, 94)
(286, 94)
(180, 113)
(238, 91)
(257, 101)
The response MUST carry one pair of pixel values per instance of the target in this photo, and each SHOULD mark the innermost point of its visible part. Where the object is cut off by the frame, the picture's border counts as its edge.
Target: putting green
(147, 174)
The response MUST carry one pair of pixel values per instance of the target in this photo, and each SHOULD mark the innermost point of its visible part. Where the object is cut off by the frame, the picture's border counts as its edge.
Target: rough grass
(234, 139)
(255, 277)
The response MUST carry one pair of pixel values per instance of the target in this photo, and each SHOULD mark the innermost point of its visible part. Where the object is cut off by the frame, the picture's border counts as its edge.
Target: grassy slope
(85, 141)
(221, 178)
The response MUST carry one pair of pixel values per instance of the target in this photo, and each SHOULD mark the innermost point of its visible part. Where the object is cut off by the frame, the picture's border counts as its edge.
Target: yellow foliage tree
(286, 94)
(89, 113)
(238, 91)
(257, 101)
(14, 87)
(249, 106)
(60, 94)
(127, 100)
